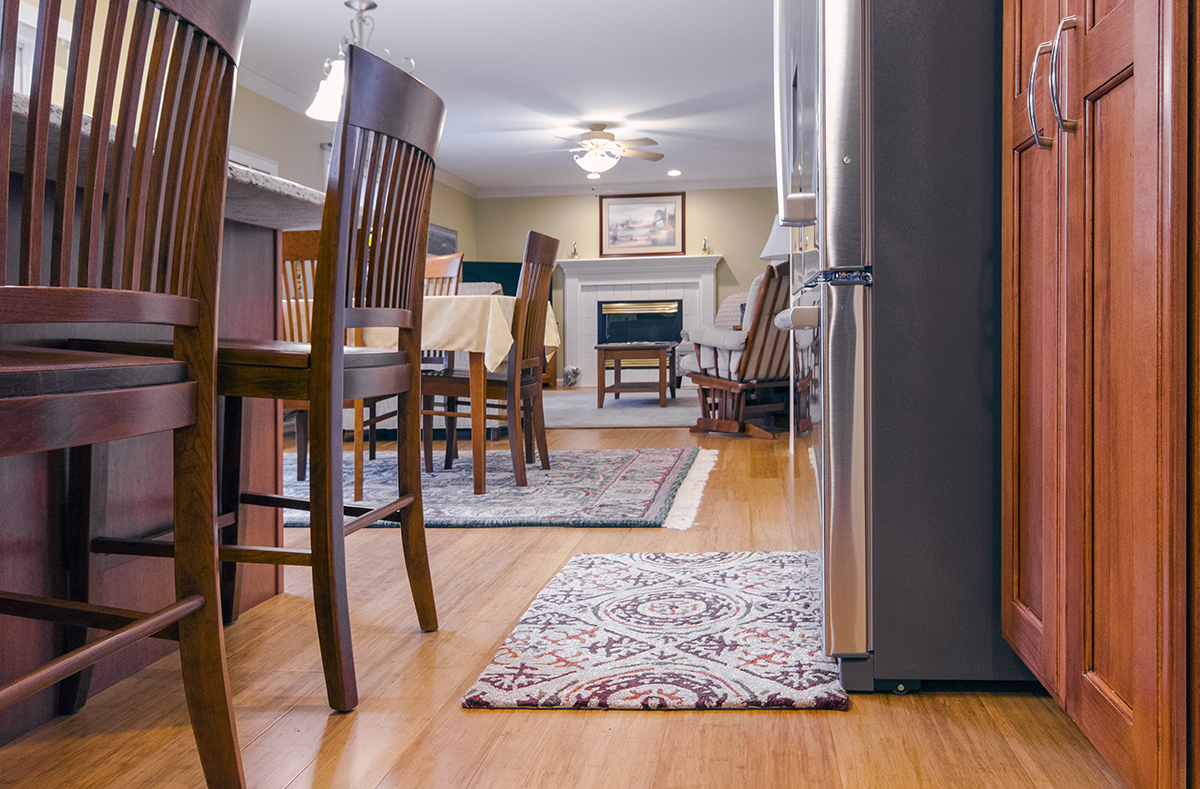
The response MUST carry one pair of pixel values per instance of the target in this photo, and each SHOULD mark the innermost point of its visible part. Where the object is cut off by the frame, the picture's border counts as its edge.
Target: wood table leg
(671, 377)
(600, 378)
(662, 377)
(478, 420)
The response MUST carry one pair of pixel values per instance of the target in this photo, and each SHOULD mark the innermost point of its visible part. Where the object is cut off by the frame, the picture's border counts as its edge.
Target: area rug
(576, 408)
(669, 631)
(605, 487)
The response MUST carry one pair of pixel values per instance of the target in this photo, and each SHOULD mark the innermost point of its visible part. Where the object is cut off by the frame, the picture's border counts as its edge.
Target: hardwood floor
(409, 730)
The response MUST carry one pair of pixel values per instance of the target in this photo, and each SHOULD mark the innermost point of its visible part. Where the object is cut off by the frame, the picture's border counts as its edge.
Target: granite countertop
(256, 198)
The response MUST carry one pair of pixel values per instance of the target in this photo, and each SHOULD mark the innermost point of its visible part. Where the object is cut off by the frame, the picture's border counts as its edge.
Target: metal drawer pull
(1066, 23)
(1042, 142)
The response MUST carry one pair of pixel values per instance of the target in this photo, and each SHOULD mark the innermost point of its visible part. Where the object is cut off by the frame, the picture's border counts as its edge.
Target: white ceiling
(693, 74)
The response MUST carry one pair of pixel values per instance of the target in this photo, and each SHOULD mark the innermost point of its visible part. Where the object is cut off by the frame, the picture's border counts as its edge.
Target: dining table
(482, 327)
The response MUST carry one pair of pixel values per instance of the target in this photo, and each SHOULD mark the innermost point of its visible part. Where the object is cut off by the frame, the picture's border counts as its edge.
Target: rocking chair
(743, 374)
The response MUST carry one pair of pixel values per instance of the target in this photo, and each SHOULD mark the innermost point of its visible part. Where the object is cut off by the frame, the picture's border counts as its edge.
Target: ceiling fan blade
(633, 153)
(638, 143)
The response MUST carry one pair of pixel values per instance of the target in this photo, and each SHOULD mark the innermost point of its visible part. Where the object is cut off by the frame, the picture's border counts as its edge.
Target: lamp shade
(779, 243)
(328, 101)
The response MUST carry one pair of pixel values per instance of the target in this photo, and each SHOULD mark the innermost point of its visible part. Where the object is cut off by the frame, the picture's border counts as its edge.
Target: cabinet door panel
(1118, 399)
(1031, 421)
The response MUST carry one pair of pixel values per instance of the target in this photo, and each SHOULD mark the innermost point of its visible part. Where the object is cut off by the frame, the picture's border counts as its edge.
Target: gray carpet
(576, 407)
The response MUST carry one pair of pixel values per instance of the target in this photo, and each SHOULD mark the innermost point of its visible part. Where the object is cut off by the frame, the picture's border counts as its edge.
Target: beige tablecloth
(482, 324)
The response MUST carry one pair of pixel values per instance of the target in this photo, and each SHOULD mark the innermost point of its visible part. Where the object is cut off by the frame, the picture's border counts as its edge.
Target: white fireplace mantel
(586, 281)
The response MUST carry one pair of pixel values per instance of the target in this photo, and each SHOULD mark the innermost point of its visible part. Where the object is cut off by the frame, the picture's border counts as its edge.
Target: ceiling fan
(601, 150)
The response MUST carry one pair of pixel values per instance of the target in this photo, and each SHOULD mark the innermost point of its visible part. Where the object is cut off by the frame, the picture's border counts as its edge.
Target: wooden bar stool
(130, 235)
(369, 273)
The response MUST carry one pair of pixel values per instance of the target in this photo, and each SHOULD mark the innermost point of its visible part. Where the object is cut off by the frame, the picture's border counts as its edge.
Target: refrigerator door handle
(845, 499)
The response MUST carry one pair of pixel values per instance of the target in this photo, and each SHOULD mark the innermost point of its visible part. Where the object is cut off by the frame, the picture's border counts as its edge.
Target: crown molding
(671, 185)
(454, 182)
(270, 89)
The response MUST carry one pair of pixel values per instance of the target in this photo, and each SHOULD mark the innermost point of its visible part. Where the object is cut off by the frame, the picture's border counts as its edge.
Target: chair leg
(358, 450)
(235, 478)
(371, 437)
(515, 435)
(201, 637)
(426, 431)
(412, 530)
(451, 433)
(327, 539)
(301, 445)
(87, 500)
(539, 431)
(527, 425)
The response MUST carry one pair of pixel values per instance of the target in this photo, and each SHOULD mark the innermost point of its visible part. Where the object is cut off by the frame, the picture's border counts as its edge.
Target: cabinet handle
(1067, 23)
(1042, 142)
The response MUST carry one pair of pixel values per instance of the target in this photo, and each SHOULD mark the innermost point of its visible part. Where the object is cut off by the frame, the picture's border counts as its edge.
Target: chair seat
(282, 353)
(30, 372)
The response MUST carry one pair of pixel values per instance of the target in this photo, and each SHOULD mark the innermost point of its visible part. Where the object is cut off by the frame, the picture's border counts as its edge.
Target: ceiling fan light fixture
(597, 161)
(674, 173)
(593, 176)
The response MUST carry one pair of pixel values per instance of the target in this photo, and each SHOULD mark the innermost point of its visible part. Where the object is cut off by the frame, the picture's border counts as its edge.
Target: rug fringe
(691, 490)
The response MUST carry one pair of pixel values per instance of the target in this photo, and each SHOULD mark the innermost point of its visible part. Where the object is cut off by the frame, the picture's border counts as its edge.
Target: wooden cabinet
(1094, 427)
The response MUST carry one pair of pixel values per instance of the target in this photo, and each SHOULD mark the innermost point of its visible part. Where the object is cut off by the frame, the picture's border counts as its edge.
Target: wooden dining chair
(442, 274)
(517, 390)
(369, 273)
(296, 280)
(124, 229)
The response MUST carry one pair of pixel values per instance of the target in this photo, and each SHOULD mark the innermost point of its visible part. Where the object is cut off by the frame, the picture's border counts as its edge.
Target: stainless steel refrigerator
(887, 132)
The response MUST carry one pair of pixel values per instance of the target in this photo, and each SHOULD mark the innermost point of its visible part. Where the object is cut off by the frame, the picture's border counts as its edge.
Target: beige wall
(736, 223)
(263, 127)
(456, 210)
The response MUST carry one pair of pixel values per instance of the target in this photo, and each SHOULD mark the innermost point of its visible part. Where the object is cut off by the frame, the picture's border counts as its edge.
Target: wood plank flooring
(409, 730)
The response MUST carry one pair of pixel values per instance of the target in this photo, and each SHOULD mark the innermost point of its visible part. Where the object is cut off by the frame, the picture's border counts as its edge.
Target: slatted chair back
(765, 357)
(371, 257)
(297, 266)
(442, 274)
(137, 210)
(533, 295)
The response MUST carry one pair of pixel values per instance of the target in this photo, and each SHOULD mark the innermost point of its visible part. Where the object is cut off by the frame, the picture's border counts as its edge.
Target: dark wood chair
(129, 236)
(369, 273)
(518, 388)
(296, 279)
(743, 374)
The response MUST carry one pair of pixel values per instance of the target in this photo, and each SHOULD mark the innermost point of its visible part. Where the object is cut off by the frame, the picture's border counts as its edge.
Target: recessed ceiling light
(674, 173)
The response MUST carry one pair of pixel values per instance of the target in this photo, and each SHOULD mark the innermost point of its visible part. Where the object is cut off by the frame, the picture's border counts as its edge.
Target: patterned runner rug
(669, 631)
(608, 487)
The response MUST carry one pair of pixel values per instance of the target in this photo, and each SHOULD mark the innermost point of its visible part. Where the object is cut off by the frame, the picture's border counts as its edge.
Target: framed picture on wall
(442, 241)
(645, 224)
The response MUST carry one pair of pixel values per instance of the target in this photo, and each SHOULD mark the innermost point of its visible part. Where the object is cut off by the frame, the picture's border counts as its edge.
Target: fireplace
(646, 320)
(587, 282)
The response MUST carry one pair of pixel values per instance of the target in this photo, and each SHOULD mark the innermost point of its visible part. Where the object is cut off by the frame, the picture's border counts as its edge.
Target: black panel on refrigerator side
(935, 341)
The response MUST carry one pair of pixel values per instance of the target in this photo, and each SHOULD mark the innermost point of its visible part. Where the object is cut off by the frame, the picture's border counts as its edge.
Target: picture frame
(442, 240)
(641, 224)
